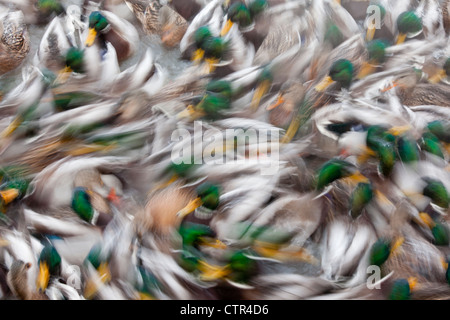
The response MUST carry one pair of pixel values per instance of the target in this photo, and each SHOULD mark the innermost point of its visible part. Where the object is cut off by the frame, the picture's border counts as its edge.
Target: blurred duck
(104, 26)
(160, 20)
(15, 45)
(37, 12)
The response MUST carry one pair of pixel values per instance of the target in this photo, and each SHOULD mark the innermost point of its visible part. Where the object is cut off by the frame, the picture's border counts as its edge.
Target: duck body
(15, 44)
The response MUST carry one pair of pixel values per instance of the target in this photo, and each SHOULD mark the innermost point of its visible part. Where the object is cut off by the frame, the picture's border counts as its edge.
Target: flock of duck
(93, 207)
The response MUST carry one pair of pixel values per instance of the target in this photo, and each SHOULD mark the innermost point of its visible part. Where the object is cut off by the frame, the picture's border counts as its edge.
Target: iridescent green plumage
(74, 59)
(408, 22)
(407, 150)
(377, 51)
(332, 170)
(51, 257)
(192, 232)
(380, 252)
(342, 72)
(400, 290)
(209, 194)
(440, 129)
(440, 234)
(239, 13)
(242, 267)
(81, 204)
(97, 21)
(333, 35)
(430, 143)
(383, 144)
(437, 192)
(360, 197)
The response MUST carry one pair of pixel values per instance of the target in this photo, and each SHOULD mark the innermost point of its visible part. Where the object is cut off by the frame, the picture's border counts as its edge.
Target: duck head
(97, 23)
(408, 24)
(341, 72)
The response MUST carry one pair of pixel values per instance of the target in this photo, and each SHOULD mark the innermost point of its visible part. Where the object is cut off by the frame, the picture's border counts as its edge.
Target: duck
(17, 279)
(160, 20)
(106, 26)
(16, 44)
(414, 92)
(39, 12)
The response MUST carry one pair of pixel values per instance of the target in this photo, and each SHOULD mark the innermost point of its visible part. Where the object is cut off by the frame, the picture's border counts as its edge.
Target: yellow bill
(211, 272)
(92, 33)
(43, 276)
(441, 74)
(194, 204)
(226, 28)
(370, 34)
(324, 84)
(64, 74)
(400, 38)
(104, 272)
(11, 128)
(198, 55)
(291, 131)
(397, 131)
(425, 217)
(366, 69)
(9, 195)
(260, 91)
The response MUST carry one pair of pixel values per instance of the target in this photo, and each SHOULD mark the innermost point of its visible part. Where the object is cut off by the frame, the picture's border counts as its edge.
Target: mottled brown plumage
(14, 41)
(17, 280)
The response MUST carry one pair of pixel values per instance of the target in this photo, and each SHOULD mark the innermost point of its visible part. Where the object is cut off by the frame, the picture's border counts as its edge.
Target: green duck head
(148, 285)
(431, 144)
(341, 71)
(237, 13)
(333, 170)
(209, 194)
(208, 197)
(214, 47)
(380, 252)
(74, 61)
(437, 192)
(408, 150)
(200, 36)
(47, 7)
(256, 7)
(333, 35)
(408, 24)
(361, 196)
(380, 141)
(81, 204)
(192, 233)
(376, 50)
(400, 290)
(212, 105)
(49, 264)
(97, 23)
(441, 234)
(241, 266)
(221, 87)
(440, 129)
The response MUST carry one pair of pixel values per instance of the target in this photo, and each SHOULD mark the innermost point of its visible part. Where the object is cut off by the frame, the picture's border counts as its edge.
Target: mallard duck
(18, 282)
(106, 26)
(413, 92)
(161, 20)
(38, 12)
(446, 16)
(15, 45)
